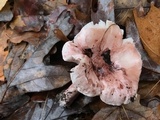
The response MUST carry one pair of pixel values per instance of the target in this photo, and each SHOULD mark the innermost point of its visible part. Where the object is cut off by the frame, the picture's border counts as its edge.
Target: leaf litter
(31, 60)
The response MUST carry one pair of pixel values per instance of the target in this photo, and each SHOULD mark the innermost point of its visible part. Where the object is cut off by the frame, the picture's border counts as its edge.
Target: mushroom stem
(68, 96)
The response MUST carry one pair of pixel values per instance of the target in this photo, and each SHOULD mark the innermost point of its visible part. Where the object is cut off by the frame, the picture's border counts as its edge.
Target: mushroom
(107, 64)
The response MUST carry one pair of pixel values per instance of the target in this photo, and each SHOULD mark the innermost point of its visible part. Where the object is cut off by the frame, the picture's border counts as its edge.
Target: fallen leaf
(104, 10)
(82, 5)
(47, 110)
(131, 31)
(2, 3)
(154, 104)
(9, 93)
(148, 75)
(121, 16)
(17, 22)
(2, 91)
(158, 111)
(148, 27)
(4, 37)
(29, 23)
(6, 13)
(121, 4)
(28, 8)
(149, 89)
(59, 34)
(13, 61)
(10, 106)
(3, 55)
(51, 5)
(13, 36)
(33, 38)
(80, 15)
(126, 112)
(35, 76)
(53, 16)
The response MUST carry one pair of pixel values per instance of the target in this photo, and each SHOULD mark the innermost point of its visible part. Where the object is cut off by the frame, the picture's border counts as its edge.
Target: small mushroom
(107, 64)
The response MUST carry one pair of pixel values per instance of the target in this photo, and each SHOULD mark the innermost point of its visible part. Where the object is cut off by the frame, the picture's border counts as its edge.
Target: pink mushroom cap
(107, 64)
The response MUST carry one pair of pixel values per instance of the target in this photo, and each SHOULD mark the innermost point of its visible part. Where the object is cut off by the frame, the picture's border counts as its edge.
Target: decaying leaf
(3, 55)
(122, 15)
(120, 4)
(13, 61)
(33, 38)
(17, 22)
(2, 3)
(59, 34)
(28, 8)
(148, 63)
(102, 10)
(149, 29)
(6, 14)
(28, 15)
(10, 106)
(148, 75)
(149, 89)
(82, 5)
(154, 104)
(126, 112)
(50, 5)
(2, 91)
(35, 75)
(3, 52)
(13, 36)
(29, 23)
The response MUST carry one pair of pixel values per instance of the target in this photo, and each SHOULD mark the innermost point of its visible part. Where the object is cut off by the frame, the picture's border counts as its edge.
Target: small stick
(68, 96)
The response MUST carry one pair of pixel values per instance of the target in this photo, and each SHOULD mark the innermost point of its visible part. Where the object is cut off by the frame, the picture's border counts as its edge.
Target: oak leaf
(34, 75)
(149, 29)
(148, 63)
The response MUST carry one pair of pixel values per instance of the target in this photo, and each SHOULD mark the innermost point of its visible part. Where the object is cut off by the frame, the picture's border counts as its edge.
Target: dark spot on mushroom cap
(106, 57)
(128, 87)
(121, 86)
(88, 52)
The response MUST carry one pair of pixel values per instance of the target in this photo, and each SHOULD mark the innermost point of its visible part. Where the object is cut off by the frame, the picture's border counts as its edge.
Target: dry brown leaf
(53, 4)
(17, 22)
(132, 111)
(122, 15)
(149, 89)
(2, 3)
(4, 37)
(121, 4)
(102, 10)
(149, 29)
(30, 37)
(158, 110)
(3, 55)
(15, 37)
(6, 13)
(80, 15)
(59, 34)
(152, 69)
